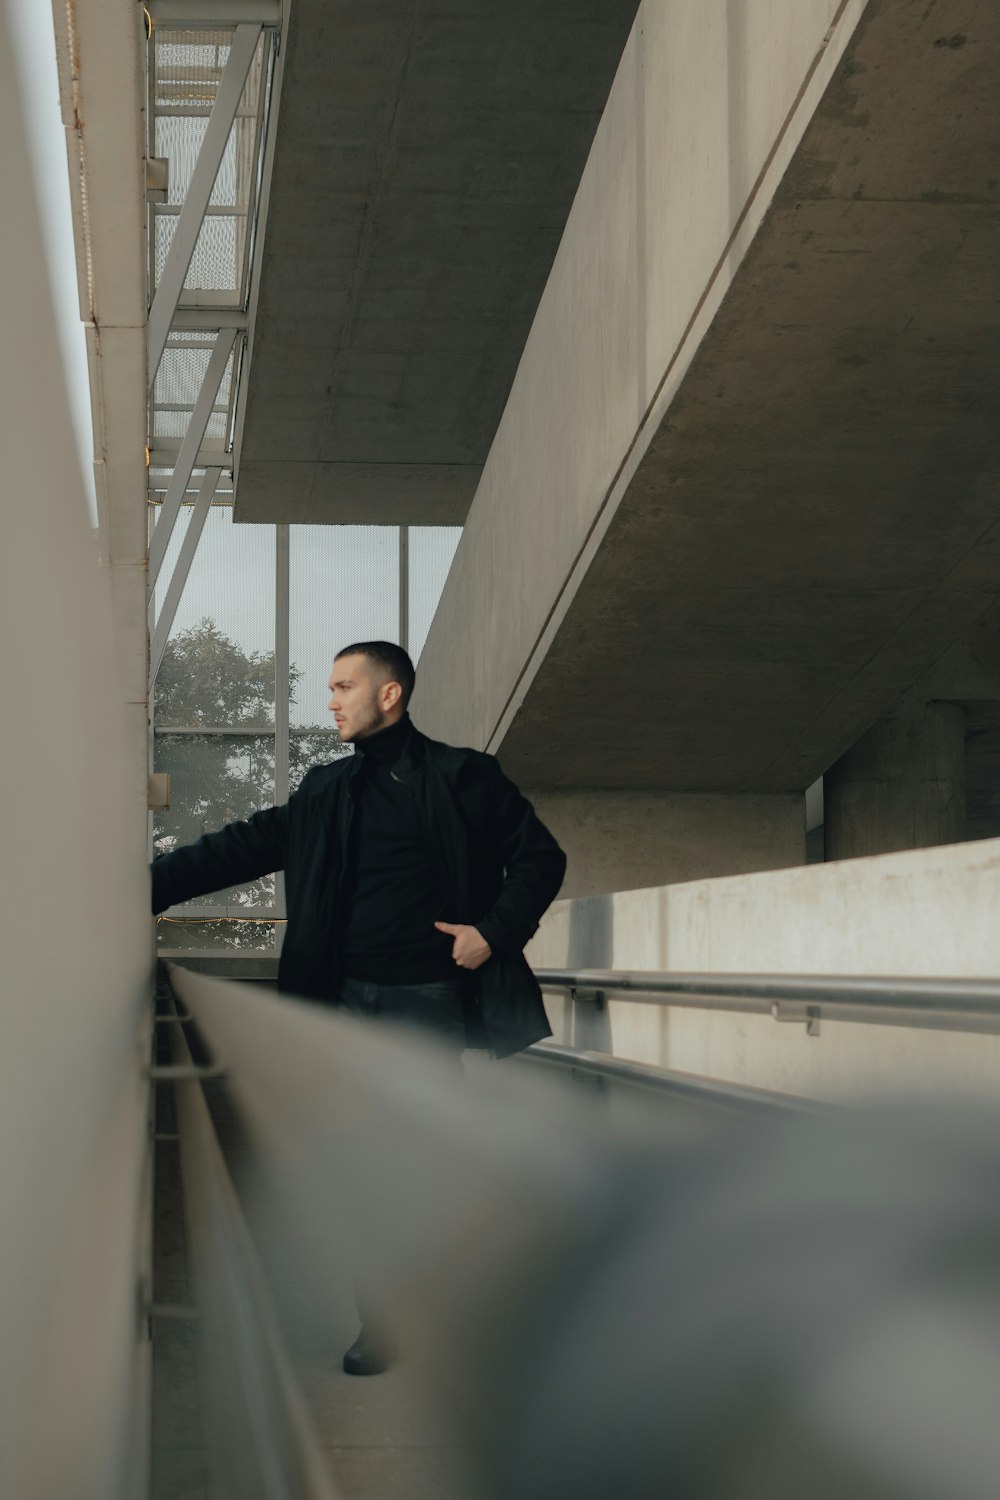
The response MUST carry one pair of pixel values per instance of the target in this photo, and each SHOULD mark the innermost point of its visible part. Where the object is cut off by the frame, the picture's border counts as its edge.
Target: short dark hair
(392, 658)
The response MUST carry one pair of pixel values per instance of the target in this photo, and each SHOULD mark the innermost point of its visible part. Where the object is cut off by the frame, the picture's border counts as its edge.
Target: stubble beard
(373, 721)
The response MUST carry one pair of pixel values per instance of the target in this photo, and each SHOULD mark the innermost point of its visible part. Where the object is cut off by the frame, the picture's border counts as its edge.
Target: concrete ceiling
(819, 515)
(425, 163)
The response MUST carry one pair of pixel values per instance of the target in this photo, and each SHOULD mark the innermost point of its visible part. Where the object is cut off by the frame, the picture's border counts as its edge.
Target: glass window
(432, 550)
(344, 587)
(216, 779)
(218, 667)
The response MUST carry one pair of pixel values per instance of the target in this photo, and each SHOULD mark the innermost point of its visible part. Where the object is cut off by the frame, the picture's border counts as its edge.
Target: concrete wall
(99, 49)
(707, 108)
(618, 841)
(74, 934)
(925, 912)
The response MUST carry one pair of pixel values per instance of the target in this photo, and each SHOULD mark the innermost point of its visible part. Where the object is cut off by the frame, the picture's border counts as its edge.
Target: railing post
(591, 1022)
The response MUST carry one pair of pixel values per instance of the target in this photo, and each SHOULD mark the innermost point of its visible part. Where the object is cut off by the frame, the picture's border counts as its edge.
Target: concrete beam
(425, 163)
(746, 485)
(213, 15)
(327, 494)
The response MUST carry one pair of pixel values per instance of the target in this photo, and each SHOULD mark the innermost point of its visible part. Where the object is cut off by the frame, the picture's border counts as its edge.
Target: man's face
(357, 698)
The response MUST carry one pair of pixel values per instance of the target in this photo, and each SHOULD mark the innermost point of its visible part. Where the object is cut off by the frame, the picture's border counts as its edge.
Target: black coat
(498, 863)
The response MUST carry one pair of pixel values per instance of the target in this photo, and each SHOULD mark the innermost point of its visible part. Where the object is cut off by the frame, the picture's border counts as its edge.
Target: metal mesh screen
(218, 668)
(344, 587)
(159, 480)
(170, 558)
(179, 138)
(431, 552)
(308, 749)
(174, 424)
(188, 69)
(216, 779)
(188, 65)
(217, 262)
(182, 371)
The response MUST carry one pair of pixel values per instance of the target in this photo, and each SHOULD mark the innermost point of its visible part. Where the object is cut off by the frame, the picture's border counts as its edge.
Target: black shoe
(370, 1354)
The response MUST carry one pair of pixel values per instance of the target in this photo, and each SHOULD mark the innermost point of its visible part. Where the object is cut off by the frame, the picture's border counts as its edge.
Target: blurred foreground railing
(263, 1438)
(595, 1309)
(262, 1434)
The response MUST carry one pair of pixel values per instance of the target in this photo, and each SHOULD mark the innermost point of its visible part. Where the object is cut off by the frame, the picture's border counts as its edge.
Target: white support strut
(189, 546)
(189, 452)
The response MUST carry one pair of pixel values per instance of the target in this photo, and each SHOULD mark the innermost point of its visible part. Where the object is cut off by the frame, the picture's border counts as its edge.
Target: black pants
(435, 1008)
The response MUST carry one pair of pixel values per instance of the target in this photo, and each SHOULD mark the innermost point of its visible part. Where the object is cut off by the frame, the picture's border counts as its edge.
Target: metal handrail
(950, 1004)
(686, 1087)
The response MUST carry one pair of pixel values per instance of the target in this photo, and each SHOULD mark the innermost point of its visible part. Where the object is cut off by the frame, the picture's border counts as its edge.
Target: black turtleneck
(394, 894)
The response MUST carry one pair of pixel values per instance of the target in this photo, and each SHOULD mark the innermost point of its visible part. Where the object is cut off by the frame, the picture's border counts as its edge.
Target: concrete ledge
(928, 912)
(350, 494)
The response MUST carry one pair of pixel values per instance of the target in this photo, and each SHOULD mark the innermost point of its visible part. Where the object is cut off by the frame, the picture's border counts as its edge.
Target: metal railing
(669, 1084)
(944, 1004)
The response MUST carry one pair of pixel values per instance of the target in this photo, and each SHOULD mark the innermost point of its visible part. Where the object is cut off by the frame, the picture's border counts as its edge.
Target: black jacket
(500, 866)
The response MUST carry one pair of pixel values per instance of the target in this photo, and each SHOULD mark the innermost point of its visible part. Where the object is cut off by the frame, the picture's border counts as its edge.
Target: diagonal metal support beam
(199, 192)
(189, 451)
(281, 690)
(189, 546)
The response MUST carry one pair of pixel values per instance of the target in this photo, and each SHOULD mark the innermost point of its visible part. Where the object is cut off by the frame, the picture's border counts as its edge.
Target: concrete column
(902, 786)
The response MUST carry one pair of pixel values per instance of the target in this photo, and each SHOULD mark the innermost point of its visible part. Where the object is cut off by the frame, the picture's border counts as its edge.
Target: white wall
(930, 912)
(74, 932)
(708, 105)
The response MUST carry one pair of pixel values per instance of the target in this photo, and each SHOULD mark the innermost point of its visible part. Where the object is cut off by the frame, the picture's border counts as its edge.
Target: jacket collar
(418, 752)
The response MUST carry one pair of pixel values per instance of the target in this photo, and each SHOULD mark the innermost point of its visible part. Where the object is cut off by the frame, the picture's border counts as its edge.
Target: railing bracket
(797, 1013)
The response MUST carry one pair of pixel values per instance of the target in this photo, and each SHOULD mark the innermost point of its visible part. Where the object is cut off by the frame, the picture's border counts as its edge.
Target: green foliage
(206, 680)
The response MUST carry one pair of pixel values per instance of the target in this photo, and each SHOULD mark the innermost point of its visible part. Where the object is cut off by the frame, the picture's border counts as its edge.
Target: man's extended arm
(238, 852)
(534, 866)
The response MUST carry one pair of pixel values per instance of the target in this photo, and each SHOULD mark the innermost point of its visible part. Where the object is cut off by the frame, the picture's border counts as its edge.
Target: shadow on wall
(591, 933)
(590, 946)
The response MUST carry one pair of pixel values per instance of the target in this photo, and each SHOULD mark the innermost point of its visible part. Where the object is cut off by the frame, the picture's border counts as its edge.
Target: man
(415, 874)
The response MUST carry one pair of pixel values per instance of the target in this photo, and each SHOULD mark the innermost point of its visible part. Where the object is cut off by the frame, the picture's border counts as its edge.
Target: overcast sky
(344, 587)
